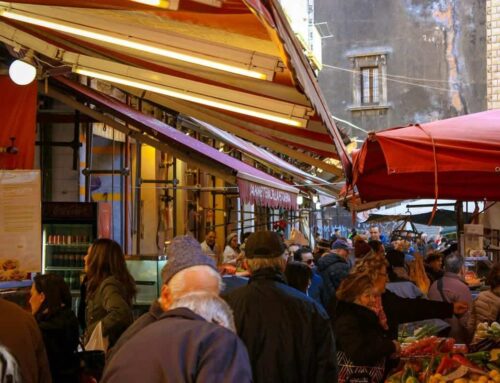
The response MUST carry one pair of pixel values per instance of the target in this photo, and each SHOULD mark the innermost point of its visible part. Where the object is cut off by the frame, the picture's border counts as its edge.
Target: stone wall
(493, 53)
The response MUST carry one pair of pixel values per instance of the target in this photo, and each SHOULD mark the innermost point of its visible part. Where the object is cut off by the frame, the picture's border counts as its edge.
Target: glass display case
(68, 229)
(146, 270)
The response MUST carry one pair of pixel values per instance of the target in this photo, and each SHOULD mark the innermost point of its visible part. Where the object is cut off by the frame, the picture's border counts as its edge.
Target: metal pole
(138, 198)
(175, 181)
(88, 158)
(125, 194)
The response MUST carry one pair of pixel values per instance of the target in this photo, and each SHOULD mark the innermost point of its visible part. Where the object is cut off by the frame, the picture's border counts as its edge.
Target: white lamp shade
(318, 206)
(315, 198)
(300, 200)
(21, 72)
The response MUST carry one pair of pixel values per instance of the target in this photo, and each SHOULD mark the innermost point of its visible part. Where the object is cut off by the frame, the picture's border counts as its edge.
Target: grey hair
(453, 263)
(209, 306)
(178, 282)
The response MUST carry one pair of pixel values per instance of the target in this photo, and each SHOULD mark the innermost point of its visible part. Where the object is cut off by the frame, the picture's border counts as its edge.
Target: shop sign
(264, 195)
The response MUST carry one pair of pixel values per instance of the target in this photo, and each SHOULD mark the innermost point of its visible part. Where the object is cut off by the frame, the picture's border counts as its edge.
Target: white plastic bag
(97, 341)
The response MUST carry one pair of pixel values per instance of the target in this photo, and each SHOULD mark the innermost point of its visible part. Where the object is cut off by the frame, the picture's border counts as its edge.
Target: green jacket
(108, 305)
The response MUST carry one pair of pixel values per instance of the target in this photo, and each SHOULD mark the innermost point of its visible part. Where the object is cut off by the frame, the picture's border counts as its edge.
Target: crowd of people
(267, 310)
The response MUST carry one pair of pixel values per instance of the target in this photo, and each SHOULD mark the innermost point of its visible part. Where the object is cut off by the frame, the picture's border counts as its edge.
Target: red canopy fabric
(456, 158)
(18, 111)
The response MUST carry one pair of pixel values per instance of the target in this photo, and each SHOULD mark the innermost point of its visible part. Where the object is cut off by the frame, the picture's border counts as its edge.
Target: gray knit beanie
(184, 252)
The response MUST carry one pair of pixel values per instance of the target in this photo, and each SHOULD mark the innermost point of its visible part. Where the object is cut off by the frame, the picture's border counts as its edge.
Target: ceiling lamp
(300, 200)
(315, 198)
(236, 61)
(154, 3)
(22, 72)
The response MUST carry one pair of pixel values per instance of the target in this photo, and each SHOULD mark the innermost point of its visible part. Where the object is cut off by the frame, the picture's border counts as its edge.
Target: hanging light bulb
(318, 206)
(300, 200)
(315, 198)
(22, 72)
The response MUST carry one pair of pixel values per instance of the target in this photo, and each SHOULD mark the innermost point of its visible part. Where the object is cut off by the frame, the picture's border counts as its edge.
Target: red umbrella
(457, 158)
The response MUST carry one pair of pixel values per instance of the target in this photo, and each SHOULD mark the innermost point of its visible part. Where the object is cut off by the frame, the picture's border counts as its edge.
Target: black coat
(403, 310)
(287, 334)
(60, 336)
(359, 334)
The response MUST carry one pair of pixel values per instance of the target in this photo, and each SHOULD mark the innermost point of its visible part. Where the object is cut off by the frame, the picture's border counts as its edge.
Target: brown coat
(19, 332)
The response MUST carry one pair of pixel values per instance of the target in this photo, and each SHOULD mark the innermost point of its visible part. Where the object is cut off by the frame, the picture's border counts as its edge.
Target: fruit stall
(431, 359)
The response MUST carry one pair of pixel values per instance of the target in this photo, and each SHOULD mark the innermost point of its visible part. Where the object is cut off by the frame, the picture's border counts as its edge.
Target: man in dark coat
(185, 345)
(287, 334)
(333, 268)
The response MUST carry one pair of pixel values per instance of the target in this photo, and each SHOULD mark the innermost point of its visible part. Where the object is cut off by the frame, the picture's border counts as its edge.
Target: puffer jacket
(487, 306)
(108, 305)
(333, 269)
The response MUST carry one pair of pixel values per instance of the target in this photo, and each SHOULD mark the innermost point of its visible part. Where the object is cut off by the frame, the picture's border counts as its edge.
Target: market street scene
(237, 191)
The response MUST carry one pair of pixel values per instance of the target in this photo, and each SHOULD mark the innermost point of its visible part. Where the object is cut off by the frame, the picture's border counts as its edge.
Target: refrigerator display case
(146, 271)
(68, 229)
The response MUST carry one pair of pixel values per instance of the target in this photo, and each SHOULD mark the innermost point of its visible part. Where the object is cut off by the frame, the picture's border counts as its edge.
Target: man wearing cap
(199, 273)
(333, 268)
(287, 334)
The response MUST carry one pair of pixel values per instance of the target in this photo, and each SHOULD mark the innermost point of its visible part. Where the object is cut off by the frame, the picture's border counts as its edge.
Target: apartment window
(369, 88)
(369, 85)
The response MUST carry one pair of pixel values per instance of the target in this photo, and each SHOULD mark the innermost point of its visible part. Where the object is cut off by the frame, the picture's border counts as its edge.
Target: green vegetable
(479, 357)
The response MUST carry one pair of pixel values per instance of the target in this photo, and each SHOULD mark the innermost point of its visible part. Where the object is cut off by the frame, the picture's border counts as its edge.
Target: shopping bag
(97, 342)
(352, 373)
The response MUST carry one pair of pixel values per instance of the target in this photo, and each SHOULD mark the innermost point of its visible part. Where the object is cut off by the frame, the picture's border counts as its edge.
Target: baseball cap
(341, 244)
(264, 244)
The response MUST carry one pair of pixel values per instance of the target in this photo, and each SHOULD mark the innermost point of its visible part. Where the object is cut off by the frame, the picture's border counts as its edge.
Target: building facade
(390, 63)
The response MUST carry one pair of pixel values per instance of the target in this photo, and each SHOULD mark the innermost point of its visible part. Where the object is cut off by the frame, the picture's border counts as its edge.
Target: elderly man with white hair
(188, 334)
(194, 341)
(188, 269)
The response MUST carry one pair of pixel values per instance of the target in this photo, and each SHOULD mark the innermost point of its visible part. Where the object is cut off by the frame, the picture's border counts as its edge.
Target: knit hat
(341, 244)
(264, 244)
(361, 248)
(184, 252)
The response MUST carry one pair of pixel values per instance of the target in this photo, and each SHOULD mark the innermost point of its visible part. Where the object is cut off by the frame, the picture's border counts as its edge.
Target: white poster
(473, 240)
(20, 223)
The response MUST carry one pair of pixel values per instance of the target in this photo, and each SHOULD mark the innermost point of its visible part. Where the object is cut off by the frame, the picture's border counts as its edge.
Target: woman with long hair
(110, 290)
(51, 306)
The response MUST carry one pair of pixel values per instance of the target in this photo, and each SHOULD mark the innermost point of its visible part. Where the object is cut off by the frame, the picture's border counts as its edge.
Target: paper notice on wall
(20, 218)
(473, 235)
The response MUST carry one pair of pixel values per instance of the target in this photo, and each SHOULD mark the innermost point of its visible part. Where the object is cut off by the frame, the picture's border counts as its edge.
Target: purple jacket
(455, 289)
(180, 347)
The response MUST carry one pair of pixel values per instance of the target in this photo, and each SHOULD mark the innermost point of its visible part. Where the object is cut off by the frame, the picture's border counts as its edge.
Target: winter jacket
(108, 305)
(315, 291)
(403, 310)
(333, 269)
(454, 290)
(487, 306)
(180, 347)
(287, 334)
(60, 335)
(359, 334)
(20, 334)
(154, 313)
